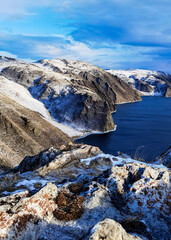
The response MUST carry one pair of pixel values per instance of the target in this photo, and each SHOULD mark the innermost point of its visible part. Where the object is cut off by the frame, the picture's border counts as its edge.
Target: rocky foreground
(77, 192)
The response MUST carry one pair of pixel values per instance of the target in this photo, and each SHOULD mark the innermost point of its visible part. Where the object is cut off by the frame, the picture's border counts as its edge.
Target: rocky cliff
(148, 83)
(76, 93)
(76, 192)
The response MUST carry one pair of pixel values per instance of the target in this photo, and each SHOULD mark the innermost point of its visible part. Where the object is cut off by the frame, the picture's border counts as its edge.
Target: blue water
(143, 129)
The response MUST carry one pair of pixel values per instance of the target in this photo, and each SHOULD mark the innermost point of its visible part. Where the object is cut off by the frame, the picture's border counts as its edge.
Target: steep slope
(24, 132)
(148, 83)
(22, 96)
(112, 89)
(75, 93)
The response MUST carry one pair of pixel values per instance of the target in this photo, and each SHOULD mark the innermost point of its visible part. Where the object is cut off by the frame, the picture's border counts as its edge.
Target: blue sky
(116, 34)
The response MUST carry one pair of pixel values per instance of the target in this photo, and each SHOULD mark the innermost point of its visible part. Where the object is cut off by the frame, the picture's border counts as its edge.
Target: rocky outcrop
(28, 216)
(24, 132)
(148, 83)
(110, 230)
(77, 192)
(165, 158)
(76, 93)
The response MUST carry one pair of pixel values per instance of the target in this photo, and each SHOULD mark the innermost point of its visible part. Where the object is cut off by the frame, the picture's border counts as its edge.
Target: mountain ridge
(147, 82)
(77, 93)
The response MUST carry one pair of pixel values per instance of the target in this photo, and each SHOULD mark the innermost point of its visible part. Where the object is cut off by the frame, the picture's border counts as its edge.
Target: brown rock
(70, 206)
(76, 187)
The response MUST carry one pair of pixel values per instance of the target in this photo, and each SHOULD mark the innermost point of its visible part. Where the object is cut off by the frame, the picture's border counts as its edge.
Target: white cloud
(7, 54)
(114, 56)
(18, 8)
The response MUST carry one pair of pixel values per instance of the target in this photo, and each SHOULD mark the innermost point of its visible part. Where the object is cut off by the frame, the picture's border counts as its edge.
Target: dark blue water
(143, 129)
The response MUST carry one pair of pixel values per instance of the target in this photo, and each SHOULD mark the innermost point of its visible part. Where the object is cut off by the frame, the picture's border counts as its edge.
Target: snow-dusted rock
(148, 83)
(79, 187)
(165, 158)
(110, 230)
(28, 216)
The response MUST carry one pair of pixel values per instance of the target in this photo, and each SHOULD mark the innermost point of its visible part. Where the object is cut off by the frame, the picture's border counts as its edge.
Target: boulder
(110, 230)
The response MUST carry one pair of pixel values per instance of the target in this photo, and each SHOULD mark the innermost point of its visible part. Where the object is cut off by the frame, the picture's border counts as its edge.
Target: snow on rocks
(110, 230)
(68, 191)
(67, 66)
(29, 216)
(148, 83)
(165, 158)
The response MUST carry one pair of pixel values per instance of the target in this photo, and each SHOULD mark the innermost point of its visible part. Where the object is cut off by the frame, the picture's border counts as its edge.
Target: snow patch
(22, 96)
(117, 160)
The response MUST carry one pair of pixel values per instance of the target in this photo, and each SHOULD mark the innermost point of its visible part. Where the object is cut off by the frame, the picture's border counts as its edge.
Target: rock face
(24, 132)
(165, 158)
(77, 192)
(75, 93)
(148, 83)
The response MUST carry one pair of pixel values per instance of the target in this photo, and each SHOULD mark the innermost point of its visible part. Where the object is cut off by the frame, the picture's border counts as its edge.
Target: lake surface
(143, 129)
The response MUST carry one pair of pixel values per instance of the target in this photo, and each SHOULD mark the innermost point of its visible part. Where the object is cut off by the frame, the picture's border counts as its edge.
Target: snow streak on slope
(22, 96)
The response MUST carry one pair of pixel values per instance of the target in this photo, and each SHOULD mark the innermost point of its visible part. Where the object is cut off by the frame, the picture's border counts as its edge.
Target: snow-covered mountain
(76, 93)
(148, 83)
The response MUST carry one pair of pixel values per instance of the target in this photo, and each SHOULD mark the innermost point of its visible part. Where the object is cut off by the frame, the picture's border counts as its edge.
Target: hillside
(24, 132)
(76, 93)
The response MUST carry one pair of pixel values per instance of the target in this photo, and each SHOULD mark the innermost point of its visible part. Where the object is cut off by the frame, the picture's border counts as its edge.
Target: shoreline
(95, 132)
(86, 134)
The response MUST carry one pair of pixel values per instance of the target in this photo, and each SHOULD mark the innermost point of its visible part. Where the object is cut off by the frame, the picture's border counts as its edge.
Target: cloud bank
(111, 34)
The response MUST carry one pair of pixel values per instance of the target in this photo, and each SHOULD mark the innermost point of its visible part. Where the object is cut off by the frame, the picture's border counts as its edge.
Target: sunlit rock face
(76, 93)
(148, 83)
(78, 192)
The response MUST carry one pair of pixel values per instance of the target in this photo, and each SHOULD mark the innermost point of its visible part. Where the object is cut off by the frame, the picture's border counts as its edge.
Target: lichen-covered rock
(143, 191)
(140, 188)
(77, 187)
(110, 230)
(70, 206)
(27, 217)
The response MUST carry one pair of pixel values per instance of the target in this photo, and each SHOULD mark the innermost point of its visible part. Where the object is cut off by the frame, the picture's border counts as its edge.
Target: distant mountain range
(148, 83)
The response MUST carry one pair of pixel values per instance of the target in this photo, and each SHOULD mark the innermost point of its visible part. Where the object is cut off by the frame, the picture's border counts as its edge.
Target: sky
(117, 34)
